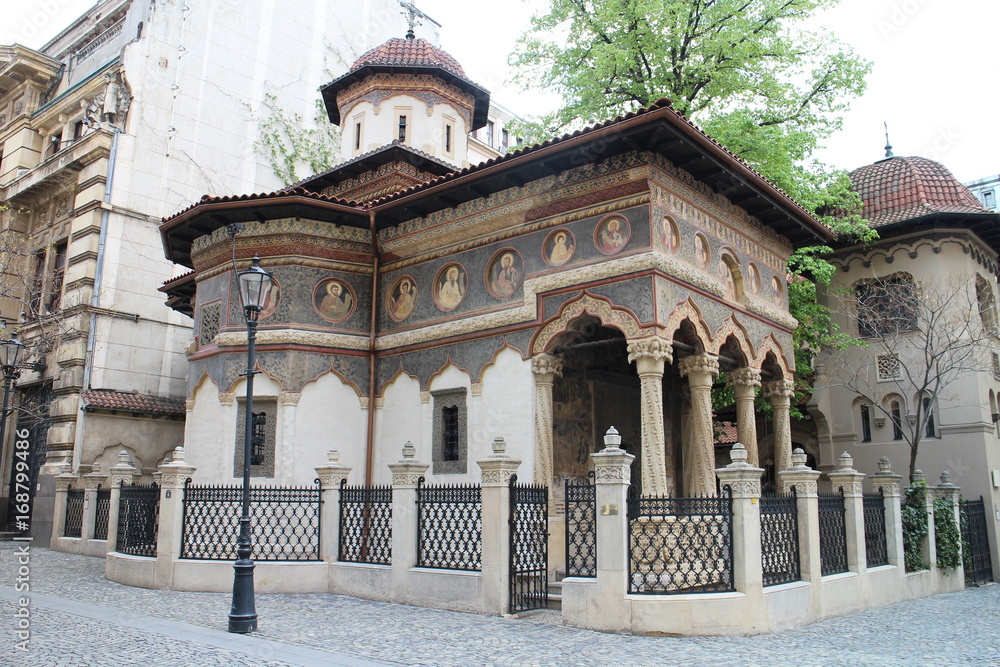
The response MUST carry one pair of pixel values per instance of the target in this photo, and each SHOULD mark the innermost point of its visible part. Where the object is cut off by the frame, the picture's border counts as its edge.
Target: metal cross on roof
(412, 14)
(888, 146)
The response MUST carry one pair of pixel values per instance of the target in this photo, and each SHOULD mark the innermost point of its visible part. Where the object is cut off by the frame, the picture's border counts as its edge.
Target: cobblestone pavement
(79, 618)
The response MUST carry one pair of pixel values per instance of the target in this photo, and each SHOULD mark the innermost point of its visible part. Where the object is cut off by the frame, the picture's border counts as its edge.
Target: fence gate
(978, 566)
(529, 546)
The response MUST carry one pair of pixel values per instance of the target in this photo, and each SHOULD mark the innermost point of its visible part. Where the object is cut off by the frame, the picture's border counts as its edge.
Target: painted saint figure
(701, 251)
(612, 237)
(753, 279)
(402, 299)
(508, 277)
(337, 303)
(561, 250)
(671, 236)
(451, 290)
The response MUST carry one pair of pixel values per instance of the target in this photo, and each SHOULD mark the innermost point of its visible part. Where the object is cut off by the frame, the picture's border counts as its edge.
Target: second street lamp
(255, 286)
(10, 351)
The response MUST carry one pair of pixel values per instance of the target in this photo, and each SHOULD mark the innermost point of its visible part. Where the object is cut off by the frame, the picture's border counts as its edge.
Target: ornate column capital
(743, 377)
(655, 350)
(64, 480)
(332, 473)
(698, 364)
(177, 472)
(546, 367)
(780, 389)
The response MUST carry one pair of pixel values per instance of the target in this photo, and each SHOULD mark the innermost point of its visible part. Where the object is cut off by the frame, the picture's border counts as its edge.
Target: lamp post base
(243, 614)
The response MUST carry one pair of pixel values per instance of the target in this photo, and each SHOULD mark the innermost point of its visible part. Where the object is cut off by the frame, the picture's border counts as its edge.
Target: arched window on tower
(887, 306)
(897, 421)
(866, 423)
(987, 305)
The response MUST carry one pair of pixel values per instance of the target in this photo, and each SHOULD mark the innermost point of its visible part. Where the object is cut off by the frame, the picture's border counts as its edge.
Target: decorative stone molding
(332, 473)
(123, 471)
(227, 397)
(190, 347)
(946, 489)
(741, 477)
(779, 389)
(65, 480)
(612, 465)
(476, 389)
(95, 478)
(294, 337)
(847, 478)
(546, 367)
(587, 305)
(656, 349)
(364, 400)
(799, 475)
(175, 473)
(189, 404)
(379, 402)
(698, 363)
(290, 397)
(407, 473)
(743, 377)
(498, 469)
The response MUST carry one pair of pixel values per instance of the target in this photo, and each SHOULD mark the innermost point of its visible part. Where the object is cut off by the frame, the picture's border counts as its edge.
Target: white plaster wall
(506, 409)
(425, 127)
(328, 416)
(401, 418)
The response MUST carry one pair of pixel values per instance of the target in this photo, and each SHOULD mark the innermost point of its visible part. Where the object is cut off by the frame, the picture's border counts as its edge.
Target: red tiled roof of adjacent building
(123, 401)
(411, 52)
(904, 188)
(725, 433)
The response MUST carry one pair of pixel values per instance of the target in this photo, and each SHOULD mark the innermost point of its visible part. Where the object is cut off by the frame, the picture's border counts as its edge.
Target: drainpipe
(95, 299)
(370, 452)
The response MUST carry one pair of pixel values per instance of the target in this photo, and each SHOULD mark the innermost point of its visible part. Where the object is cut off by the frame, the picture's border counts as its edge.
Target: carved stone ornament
(745, 377)
(290, 397)
(613, 472)
(805, 488)
(889, 489)
(294, 337)
(118, 480)
(547, 364)
(745, 488)
(851, 489)
(498, 477)
(655, 348)
(406, 478)
(332, 480)
(173, 479)
(189, 404)
(94, 480)
(780, 389)
(477, 388)
(227, 397)
(698, 363)
(64, 481)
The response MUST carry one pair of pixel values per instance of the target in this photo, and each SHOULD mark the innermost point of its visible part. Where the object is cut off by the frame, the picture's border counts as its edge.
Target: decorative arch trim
(586, 304)
(688, 310)
(769, 344)
(733, 327)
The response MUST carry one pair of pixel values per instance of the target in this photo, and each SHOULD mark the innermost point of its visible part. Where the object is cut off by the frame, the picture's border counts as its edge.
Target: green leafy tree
(746, 71)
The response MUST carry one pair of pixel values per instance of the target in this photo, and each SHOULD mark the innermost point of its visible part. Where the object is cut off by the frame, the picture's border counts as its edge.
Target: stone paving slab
(954, 629)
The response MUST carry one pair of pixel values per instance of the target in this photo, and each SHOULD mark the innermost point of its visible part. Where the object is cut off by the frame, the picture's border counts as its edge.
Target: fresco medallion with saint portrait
(559, 247)
(670, 235)
(701, 252)
(450, 286)
(504, 273)
(612, 234)
(753, 279)
(271, 303)
(401, 298)
(334, 300)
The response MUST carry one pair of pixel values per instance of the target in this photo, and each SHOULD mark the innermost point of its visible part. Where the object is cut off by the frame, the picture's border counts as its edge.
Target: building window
(489, 133)
(504, 139)
(450, 445)
(262, 438)
(888, 367)
(37, 285)
(886, 306)
(987, 305)
(357, 136)
(447, 138)
(58, 273)
(930, 433)
(989, 201)
(866, 423)
(55, 141)
(402, 128)
(897, 421)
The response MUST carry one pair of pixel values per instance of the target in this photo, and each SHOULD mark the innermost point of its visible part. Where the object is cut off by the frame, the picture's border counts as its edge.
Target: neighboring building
(935, 238)
(131, 112)
(987, 191)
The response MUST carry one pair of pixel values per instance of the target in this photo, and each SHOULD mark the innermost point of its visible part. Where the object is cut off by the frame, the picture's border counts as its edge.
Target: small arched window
(866, 423)
(887, 306)
(897, 421)
(987, 305)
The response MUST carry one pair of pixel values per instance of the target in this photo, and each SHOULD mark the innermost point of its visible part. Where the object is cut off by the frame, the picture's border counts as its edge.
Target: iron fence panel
(976, 546)
(529, 546)
(779, 538)
(138, 519)
(832, 534)
(875, 539)
(73, 526)
(365, 524)
(449, 526)
(681, 545)
(102, 514)
(284, 522)
(581, 528)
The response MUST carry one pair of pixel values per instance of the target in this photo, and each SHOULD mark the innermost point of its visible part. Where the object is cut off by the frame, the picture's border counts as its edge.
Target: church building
(604, 277)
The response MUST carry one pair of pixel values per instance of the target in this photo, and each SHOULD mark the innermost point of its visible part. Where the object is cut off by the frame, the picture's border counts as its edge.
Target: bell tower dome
(410, 92)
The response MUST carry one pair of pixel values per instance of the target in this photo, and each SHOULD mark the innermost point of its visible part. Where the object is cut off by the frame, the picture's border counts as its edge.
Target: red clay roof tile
(123, 401)
(412, 52)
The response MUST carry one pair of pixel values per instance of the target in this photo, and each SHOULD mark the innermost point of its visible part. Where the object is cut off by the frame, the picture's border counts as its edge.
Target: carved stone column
(744, 381)
(497, 471)
(699, 452)
(780, 393)
(649, 356)
(546, 369)
(332, 475)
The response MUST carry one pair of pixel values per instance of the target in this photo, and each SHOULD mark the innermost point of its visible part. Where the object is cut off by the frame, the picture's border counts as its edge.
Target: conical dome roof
(409, 52)
(903, 188)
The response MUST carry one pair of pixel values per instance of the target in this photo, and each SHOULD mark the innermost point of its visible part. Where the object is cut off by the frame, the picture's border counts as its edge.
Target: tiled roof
(123, 401)
(411, 52)
(395, 143)
(287, 192)
(725, 433)
(903, 188)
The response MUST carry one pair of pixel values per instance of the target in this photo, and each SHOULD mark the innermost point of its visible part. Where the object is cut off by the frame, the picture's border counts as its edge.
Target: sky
(935, 79)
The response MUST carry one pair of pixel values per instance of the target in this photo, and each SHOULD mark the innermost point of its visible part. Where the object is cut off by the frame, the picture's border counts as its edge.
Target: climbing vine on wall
(914, 525)
(946, 535)
(292, 147)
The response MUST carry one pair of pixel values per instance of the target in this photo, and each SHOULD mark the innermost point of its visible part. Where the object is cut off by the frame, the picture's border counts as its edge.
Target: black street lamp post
(10, 350)
(255, 285)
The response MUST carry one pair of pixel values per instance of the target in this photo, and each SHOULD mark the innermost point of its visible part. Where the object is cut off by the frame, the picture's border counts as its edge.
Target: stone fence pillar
(888, 482)
(496, 471)
(173, 477)
(744, 480)
(63, 481)
(803, 478)
(612, 473)
(405, 476)
(951, 493)
(91, 482)
(331, 474)
(851, 481)
(120, 473)
(928, 549)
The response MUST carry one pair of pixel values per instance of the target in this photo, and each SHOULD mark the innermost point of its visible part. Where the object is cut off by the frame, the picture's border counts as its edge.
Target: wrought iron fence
(73, 526)
(529, 546)
(875, 539)
(779, 538)
(681, 545)
(581, 527)
(975, 543)
(449, 526)
(284, 522)
(138, 519)
(102, 514)
(365, 524)
(832, 534)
